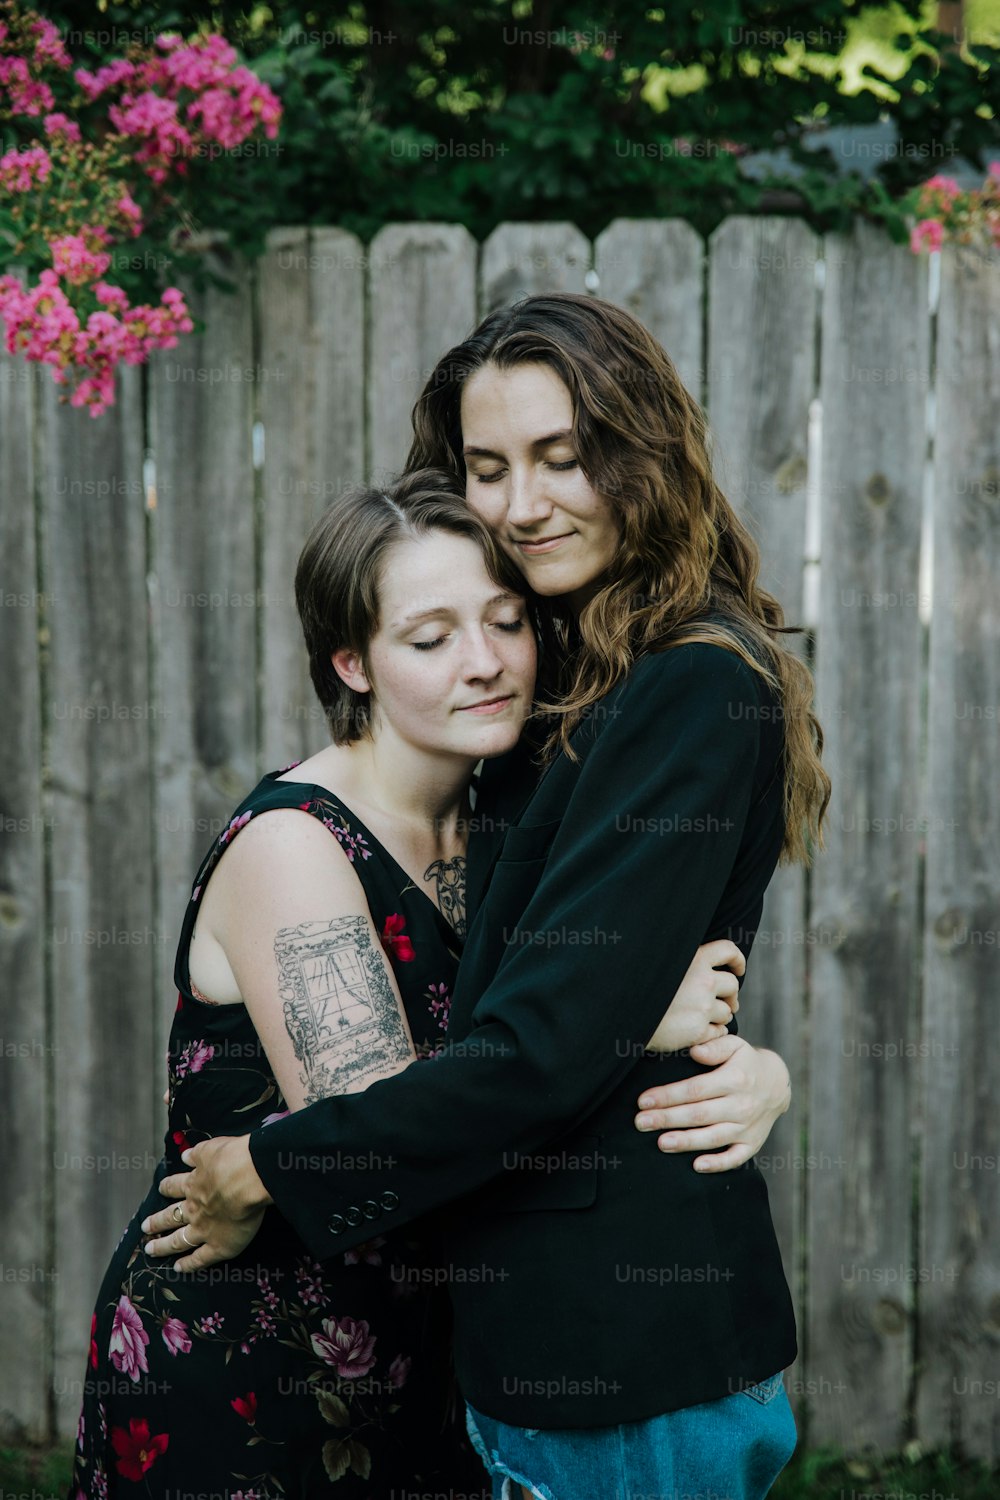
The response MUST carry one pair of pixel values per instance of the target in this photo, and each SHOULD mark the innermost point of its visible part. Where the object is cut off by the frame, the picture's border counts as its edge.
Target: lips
(486, 703)
(540, 544)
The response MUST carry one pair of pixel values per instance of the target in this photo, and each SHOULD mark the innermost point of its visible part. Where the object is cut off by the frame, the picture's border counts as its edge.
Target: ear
(347, 665)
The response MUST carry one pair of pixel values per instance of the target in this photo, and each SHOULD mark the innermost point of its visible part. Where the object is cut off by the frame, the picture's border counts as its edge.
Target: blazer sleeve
(643, 853)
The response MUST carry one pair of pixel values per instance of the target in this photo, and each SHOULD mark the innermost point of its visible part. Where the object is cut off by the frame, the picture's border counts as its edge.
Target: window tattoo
(340, 1011)
(449, 875)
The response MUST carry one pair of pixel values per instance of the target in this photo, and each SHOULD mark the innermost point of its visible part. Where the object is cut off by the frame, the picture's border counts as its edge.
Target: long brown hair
(686, 568)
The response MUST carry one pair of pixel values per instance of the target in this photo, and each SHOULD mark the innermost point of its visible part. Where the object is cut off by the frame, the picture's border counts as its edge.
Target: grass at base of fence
(43, 1474)
(35, 1473)
(826, 1475)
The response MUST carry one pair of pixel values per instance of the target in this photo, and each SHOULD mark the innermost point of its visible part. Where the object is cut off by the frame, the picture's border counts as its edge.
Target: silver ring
(179, 1213)
(184, 1237)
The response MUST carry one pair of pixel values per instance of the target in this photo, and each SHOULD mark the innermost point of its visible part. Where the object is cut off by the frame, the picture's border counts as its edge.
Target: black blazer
(594, 1279)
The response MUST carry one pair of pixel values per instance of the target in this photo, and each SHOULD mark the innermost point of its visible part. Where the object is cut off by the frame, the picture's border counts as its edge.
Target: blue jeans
(731, 1449)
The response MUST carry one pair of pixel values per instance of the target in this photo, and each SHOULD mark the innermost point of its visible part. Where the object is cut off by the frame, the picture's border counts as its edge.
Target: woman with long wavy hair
(609, 1329)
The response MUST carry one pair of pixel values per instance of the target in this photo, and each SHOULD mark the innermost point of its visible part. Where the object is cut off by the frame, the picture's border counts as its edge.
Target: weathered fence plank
(521, 259)
(203, 597)
(25, 1036)
(422, 300)
(959, 1297)
(862, 1009)
(105, 948)
(761, 357)
(310, 315)
(653, 268)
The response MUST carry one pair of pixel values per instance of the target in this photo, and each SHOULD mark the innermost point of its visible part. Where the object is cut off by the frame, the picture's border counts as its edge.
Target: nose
(482, 661)
(526, 503)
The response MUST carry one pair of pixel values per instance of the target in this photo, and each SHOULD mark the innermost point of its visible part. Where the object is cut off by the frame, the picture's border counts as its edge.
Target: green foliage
(487, 111)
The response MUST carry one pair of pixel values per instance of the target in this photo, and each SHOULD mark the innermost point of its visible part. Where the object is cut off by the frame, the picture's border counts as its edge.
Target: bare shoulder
(286, 845)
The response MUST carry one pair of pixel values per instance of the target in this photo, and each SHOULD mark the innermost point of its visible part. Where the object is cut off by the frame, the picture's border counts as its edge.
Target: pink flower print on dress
(246, 1407)
(353, 844)
(128, 1340)
(440, 1004)
(193, 1058)
(367, 1252)
(176, 1336)
(346, 1345)
(137, 1450)
(394, 940)
(235, 824)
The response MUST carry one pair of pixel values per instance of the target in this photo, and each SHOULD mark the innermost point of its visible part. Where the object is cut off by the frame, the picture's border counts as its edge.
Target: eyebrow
(443, 609)
(542, 442)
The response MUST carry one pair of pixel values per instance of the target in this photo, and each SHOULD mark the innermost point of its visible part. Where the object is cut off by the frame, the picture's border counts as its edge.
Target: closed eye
(570, 463)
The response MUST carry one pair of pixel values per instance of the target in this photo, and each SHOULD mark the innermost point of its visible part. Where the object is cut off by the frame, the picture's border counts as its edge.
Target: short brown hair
(337, 578)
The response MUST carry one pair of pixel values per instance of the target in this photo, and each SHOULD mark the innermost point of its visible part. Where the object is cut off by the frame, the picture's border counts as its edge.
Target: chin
(494, 739)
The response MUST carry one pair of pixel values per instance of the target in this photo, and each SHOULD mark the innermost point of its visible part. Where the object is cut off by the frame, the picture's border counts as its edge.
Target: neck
(409, 786)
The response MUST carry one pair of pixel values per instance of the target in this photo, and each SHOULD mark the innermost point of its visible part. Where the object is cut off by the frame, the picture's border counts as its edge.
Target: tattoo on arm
(450, 878)
(341, 1014)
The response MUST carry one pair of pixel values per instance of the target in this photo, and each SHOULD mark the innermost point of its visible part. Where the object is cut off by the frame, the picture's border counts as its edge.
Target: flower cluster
(945, 212)
(99, 157)
(182, 97)
(43, 325)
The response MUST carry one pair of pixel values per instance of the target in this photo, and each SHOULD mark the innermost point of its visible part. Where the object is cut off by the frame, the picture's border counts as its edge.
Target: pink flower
(367, 1252)
(176, 1336)
(137, 1449)
(946, 186)
(246, 1407)
(20, 171)
(130, 213)
(110, 76)
(75, 259)
(399, 1369)
(192, 1058)
(128, 1340)
(440, 1003)
(49, 48)
(235, 824)
(61, 127)
(28, 95)
(927, 235)
(346, 1345)
(278, 1115)
(394, 939)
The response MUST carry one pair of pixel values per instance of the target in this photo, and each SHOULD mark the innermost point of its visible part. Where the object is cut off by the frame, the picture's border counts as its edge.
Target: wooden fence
(152, 670)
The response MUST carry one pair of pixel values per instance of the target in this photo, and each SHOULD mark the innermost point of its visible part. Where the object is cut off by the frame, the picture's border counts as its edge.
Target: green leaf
(332, 1409)
(336, 1457)
(360, 1458)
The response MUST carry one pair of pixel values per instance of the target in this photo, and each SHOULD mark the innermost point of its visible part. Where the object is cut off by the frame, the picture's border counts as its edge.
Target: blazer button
(336, 1224)
(353, 1216)
(370, 1209)
(390, 1201)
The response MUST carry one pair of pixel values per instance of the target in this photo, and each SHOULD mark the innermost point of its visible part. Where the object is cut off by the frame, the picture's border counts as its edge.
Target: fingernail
(646, 1102)
(644, 1122)
(186, 1158)
(145, 1226)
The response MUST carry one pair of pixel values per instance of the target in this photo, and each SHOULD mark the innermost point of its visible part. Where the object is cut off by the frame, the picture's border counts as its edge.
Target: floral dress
(273, 1374)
